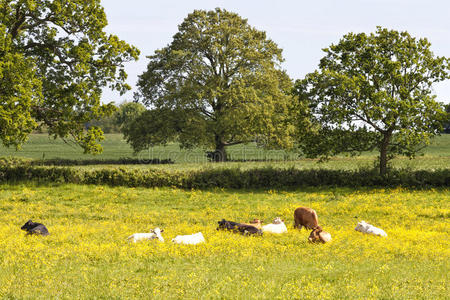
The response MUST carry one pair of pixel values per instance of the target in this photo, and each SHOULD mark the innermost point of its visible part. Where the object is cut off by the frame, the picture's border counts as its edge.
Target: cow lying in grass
(35, 228)
(153, 234)
(369, 229)
(227, 225)
(255, 222)
(318, 235)
(191, 239)
(245, 229)
(277, 226)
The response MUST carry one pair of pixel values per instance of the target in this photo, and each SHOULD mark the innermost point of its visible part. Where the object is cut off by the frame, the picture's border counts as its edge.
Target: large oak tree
(55, 58)
(373, 92)
(218, 83)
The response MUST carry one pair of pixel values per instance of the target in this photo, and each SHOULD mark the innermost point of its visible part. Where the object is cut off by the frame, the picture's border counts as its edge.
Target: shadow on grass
(86, 162)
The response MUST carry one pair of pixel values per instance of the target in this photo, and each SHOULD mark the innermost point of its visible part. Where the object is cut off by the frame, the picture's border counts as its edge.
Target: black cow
(227, 225)
(35, 228)
(244, 229)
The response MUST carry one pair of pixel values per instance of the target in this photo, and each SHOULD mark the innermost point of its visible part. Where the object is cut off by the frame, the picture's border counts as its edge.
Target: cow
(318, 235)
(370, 229)
(153, 234)
(305, 217)
(243, 228)
(227, 225)
(255, 222)
(35, 228)
(191, 239)
(246, 229)
(277, 226)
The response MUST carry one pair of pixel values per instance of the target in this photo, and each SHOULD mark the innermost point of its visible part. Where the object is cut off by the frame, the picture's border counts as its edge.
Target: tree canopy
(218, 83)
(373, 92)
(55, 58)
(125, 113)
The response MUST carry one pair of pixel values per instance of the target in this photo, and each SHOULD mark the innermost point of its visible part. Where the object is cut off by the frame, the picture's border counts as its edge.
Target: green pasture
(87, 256)
(40, 146)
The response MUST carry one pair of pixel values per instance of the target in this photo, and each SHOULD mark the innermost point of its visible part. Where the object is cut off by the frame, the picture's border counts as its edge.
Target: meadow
(41, 147)
(87, 255)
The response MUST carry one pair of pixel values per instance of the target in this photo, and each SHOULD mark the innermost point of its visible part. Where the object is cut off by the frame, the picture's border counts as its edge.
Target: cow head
(315, 235)
(277, 220)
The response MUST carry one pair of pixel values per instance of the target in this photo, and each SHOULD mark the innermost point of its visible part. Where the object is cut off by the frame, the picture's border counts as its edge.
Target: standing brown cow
(305, 216)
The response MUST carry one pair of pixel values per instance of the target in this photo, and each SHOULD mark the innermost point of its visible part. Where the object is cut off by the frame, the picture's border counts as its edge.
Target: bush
(21, 170)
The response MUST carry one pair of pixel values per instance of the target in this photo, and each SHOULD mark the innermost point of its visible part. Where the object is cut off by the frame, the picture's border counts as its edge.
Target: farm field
(87, 256)
(40, 146)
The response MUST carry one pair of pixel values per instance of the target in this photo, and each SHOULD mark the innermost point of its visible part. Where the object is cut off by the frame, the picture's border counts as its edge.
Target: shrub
(20, 170)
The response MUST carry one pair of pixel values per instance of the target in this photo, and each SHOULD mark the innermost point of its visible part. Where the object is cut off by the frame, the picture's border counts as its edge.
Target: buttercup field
(224, 149)
(87, 255)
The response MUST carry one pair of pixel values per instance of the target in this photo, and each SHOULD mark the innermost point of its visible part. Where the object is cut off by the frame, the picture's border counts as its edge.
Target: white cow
(369, 229)
(277, 226)
(191, 239)
(153, 234)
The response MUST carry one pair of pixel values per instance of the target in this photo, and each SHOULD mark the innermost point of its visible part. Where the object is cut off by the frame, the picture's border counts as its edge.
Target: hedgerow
(267, 177)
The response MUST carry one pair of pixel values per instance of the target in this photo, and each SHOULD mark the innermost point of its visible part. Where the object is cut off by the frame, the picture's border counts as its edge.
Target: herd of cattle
(303, 217)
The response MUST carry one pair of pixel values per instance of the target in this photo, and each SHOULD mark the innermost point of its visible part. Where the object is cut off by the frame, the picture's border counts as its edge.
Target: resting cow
(245, 229)
(35, 228)
(191, 239)
(255, 222)
(227, 225)
(153, 234)
(277, 226)
(318, 235)
(370, 229)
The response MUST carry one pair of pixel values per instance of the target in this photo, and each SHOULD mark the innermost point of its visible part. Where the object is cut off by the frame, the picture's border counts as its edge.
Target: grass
(40, 146)
(87, 256)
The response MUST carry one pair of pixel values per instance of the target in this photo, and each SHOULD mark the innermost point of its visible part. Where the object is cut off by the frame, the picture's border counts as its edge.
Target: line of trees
(218, 83)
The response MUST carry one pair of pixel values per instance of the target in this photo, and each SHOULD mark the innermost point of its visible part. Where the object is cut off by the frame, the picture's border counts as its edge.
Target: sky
(301, 28)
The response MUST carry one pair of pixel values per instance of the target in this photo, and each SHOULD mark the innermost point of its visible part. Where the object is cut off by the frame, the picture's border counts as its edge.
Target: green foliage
(373, 92)
(19, 90)
(122, 117)
(153, 127)
(236, 178)
(127, 113)
(55, 58)
(218, 83)
(447, 119)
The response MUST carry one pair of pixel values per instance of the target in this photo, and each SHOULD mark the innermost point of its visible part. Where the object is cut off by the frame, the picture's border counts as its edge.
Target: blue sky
(300, 28)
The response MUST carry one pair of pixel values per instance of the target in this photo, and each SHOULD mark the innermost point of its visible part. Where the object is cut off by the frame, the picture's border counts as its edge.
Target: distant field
(114, 147)
(40, 146)
(86, 255)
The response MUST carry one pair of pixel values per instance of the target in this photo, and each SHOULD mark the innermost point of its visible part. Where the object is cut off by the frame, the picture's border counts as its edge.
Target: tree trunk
(220, 154)
(384, 151)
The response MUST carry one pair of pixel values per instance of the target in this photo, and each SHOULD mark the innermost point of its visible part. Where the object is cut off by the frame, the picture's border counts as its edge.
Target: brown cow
(318, 235)
(305, 216)
(255, 222)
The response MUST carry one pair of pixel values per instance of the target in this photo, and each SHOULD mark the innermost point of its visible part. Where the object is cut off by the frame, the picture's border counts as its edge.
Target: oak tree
(218, 83)
(373, 91)
(55, 59)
